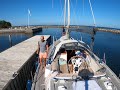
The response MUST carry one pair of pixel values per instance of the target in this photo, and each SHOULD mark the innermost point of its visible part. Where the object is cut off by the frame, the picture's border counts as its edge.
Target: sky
(50, 12)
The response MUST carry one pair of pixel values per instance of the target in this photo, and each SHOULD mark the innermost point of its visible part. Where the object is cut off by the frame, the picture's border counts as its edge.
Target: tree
(5, 24)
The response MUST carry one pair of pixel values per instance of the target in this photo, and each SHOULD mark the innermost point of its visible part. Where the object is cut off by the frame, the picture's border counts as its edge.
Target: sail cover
(86, 85)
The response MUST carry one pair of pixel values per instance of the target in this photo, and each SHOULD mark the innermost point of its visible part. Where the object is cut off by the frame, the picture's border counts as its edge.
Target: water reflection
(8, 40)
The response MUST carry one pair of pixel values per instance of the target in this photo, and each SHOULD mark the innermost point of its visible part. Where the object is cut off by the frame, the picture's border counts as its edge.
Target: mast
(65, 14)
(68, 13)
(67, 32)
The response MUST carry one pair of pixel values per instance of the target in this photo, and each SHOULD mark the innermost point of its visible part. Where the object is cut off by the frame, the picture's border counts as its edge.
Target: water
(110, 44)
(16, 38)
(107, 43)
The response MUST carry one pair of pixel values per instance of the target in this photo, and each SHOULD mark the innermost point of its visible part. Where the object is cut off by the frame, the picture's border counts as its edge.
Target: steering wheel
(73, 59)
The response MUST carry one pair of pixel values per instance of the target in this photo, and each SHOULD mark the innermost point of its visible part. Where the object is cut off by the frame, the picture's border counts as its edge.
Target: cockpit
(72, 58)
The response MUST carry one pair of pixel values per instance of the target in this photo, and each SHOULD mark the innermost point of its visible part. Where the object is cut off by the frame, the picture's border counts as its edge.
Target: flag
(29, 12)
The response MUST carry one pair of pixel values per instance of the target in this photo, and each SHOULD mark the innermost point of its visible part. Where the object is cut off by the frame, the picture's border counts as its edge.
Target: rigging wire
(61, 4)
(76, 2)
(74, 13)
(83, 7)
(92, 37)
(57, 13)
(61, 17)
(52, 3)
(92, 13)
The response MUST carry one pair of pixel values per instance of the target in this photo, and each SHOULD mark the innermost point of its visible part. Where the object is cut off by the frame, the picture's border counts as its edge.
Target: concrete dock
(22, 30)
(16, 62)
(107, 30)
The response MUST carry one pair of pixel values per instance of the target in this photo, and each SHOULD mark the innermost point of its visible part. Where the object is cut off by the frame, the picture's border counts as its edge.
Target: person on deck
(42, 51)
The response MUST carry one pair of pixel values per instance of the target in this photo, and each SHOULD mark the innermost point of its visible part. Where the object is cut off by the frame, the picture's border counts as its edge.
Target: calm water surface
(107, 43)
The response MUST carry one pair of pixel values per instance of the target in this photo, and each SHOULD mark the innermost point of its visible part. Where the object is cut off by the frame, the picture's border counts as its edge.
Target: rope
(92, 13)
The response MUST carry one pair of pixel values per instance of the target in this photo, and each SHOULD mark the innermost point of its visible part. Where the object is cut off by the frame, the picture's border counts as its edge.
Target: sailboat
(72, 65)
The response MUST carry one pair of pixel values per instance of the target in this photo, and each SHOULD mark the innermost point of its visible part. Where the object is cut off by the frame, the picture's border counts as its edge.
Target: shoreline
(3, 31)
(107, 30)
(37, 29)
(24, 30)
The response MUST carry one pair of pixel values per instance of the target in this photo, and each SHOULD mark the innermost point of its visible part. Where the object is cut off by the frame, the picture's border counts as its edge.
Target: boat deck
(40, 81)
(58, 79)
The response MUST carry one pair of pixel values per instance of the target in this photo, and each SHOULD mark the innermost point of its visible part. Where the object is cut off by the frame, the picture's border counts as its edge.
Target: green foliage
(5, 24)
